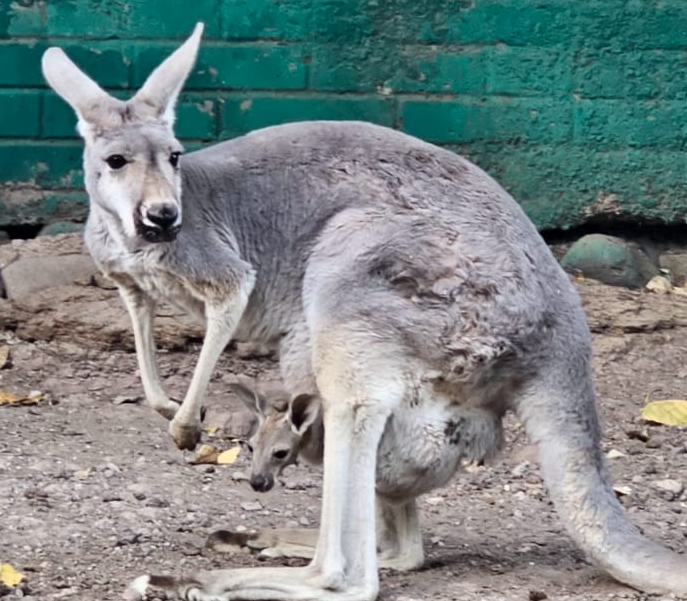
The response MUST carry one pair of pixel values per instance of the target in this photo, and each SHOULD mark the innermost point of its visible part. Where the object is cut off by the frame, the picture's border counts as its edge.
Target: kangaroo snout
(159, 222)
(262, 482)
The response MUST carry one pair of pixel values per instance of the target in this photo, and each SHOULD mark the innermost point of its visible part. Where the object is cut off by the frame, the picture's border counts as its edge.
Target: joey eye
(281, 454)
(174, 159)
(116, 161)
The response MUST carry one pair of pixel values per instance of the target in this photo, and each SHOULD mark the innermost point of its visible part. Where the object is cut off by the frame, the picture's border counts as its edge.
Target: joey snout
(262, 482)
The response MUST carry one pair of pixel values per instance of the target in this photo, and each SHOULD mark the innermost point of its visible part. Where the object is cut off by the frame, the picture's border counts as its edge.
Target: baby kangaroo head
(131, 157)
(279, 435)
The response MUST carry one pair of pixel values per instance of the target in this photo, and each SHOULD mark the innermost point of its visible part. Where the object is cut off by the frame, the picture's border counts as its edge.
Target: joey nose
(262, 483)
(163, 215)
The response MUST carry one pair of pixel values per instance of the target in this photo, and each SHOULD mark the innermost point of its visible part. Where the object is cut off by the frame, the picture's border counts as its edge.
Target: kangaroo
(286, 430)
(398, 280)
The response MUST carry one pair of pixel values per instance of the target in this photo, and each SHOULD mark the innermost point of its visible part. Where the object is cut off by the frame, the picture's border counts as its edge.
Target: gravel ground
(94, 493)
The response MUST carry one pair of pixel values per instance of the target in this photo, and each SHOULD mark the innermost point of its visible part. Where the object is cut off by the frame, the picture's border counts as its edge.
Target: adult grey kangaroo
(402, 285)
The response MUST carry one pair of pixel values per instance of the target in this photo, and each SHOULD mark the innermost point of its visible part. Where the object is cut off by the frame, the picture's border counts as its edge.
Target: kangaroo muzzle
(262, 482)
(159, 222)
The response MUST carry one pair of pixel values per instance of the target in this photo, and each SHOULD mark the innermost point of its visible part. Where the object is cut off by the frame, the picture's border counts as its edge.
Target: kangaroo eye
(116, 161)
(280, 454)
(174, 159)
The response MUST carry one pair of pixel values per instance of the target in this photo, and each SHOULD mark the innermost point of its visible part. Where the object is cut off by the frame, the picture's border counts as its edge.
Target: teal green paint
(497, 119)
(577, 108)
(19, 113)
(244, 113)
(256, 66)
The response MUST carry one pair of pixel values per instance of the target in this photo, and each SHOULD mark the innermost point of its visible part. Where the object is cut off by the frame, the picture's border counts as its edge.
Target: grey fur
(397, 278)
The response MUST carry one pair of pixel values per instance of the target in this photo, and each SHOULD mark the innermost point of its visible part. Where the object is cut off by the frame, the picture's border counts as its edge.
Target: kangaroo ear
(157, 97)
(94, 107)
(253, 400)
(304, 409)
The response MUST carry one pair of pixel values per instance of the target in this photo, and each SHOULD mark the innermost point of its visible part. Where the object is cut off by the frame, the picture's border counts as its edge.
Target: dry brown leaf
(229, 456)
(8, 398)
(11, 399)
(4, 356)
(9, 576)
(669, 412)
(206, 453)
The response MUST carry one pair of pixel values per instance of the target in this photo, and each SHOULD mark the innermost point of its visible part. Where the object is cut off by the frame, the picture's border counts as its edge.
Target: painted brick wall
(578, 107)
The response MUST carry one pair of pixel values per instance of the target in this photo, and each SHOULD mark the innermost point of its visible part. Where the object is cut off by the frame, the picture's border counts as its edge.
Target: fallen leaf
(670, 412)
(679, 290)
(82, 474)
(658, 284)
(11, 399)
(211, 430)
(206, 453)
(4, 356)
(9, 576)
(8, 398)
(228, 456)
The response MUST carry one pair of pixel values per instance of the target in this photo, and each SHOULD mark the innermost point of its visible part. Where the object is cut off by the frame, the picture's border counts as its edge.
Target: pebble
(519, 470)
(251, 506)
(674, 486)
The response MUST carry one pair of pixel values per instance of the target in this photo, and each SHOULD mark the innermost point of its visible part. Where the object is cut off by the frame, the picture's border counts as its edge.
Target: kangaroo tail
(560, 416)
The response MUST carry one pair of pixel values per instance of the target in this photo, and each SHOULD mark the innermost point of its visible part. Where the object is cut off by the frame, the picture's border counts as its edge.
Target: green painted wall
(578, 107)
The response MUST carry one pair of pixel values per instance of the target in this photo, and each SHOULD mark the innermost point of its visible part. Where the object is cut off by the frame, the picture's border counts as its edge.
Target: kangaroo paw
(225, 541)
(165, 587)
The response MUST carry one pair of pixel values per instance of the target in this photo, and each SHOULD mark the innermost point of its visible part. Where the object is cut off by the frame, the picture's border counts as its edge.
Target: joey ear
(94, 107)
(159, 93)
(304, 409)
(253, 400)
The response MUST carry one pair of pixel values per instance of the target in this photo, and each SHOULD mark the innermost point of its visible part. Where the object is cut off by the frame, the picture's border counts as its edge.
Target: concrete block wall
(578, 108)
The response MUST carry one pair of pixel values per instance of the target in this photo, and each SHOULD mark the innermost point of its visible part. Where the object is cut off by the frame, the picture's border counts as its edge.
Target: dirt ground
(93, 492)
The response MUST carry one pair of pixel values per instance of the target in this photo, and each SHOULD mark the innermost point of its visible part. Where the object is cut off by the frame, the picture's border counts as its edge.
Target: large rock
(610, 260)
(54, 292)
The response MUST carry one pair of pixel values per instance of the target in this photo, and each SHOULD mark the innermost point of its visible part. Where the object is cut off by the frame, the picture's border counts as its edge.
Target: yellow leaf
(8, 398)
(206, 453)
(658, 284)
(211, 430)
(228, 456)
(9, 576)
(670, 412)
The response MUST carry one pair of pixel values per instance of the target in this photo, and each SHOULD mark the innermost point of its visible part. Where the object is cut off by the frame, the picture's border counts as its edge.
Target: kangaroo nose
(162, 215)
(262, 483)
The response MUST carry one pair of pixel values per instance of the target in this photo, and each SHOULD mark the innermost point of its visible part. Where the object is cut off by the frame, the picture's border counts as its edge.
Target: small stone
(156, 502)
(538, 596)
(303, 521)
(519, 470)
(251, 506)
(673, 486)
(614, 454)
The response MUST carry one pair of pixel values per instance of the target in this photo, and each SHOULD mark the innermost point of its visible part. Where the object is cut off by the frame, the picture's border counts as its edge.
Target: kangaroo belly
(423, 446)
